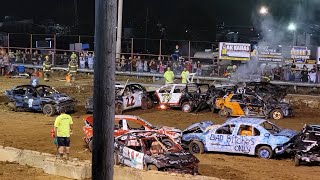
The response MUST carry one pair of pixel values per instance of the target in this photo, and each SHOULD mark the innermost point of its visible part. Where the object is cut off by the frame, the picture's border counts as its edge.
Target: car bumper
(282, 149)
(70, 107)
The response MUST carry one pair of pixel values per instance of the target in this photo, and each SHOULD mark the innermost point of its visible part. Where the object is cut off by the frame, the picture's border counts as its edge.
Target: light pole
(119, 29)
(292, 27)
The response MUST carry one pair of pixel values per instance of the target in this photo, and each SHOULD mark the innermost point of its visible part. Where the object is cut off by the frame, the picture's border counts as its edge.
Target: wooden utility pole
(104, 89)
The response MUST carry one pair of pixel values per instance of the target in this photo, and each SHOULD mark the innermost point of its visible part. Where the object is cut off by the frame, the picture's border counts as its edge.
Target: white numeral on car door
(30, 101)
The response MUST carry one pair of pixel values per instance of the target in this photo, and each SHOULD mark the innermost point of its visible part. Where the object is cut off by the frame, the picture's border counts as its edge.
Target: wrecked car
(252, 106)
(39, 98)
(128, 96)
(150, 150)
(188, 97)
(252, 136)
(127, 123)
(306, 147)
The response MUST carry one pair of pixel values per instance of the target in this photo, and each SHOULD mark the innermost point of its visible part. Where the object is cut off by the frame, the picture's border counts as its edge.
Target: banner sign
(300, 54)
(234, 51)
(269, 54)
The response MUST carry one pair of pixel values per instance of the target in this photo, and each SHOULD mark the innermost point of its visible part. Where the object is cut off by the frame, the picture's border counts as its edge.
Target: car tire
(265, 152)
(152, 167)
(118, 109)
(167, 142)
(116, 158)
(186, 107)
(196, 147)
(144, 103)
(150, 103)
(49, 110)
(276, 114)
(296, 161)
(224, 113)
(12, 106)
(90, 145)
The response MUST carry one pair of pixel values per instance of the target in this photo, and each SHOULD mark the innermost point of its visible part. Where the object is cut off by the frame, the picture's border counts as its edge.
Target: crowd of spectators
(159, 65)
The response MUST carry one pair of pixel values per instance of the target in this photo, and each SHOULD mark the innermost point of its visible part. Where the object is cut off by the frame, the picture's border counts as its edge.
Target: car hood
(287, 133)
(202, 125)
(60, 97)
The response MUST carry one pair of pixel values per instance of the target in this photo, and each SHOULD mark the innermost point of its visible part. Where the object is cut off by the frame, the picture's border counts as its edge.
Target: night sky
(199, 17)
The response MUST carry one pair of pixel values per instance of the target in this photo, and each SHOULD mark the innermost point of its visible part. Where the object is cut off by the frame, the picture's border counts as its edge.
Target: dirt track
(32, 131)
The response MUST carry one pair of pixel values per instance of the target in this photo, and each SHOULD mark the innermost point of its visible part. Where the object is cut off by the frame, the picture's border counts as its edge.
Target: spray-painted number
(30, 101)
(130, 101)
(241, 91)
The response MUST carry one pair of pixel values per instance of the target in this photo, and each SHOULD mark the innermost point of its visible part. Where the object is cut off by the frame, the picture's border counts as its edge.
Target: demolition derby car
(128, 96)
(188, 97)
(252, 106)
(151, 150)
(127, 123)
(307, 145)
(39, 98)
(251, 136)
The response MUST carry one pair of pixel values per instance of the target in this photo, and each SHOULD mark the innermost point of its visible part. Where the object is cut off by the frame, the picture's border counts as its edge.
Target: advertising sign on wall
(300, 54)
(269, 54)
(234, 51)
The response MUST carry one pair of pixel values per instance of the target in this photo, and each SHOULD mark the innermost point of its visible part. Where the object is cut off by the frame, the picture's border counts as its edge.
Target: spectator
(184, 76)
(199, 69)
(312, 76)
(145, 66)
(134, 64)
(123, 64)
(2, 66)
(188, 65)
(90, 61)
(161, 67)
(153, 66)
(276, 73)
(318, 75)
(63, 129)
(176, 54)
(169, 76)
(304, 74)
(139, 64)
(82, 61)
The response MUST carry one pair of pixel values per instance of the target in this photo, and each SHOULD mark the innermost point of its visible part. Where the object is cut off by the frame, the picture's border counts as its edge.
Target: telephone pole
(104, 89)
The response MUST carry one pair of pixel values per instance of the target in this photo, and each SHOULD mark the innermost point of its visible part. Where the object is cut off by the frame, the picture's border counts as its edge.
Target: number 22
(130, 103)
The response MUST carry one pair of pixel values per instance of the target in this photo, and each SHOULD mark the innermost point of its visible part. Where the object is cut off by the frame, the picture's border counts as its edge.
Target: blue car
(39, 98)
(252, 136)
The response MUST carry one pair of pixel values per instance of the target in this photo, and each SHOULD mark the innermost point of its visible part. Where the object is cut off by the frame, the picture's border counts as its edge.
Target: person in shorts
(63, 129)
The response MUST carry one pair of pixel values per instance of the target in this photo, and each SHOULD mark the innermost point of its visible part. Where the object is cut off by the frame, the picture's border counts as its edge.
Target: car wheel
(276, 114)
(196, 147)
(150, 103)
(116, 158)
(167, 143)
(186, 107)
(224, 113)
(119, 109)
(90, 145)
(265, 152)
(152, 167)
(144, 103)
(48, 110)
(12, 106)
(296, 161)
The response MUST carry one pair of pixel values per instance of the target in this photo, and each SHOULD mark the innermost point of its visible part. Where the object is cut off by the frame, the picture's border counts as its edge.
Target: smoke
(273, 29)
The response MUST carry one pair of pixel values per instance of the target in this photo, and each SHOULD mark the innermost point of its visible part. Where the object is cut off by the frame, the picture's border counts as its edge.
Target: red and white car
(129, 123)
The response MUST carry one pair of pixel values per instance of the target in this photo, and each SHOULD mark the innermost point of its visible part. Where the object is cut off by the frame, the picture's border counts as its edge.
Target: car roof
(245, 120)
(128, 117)
(142, 134)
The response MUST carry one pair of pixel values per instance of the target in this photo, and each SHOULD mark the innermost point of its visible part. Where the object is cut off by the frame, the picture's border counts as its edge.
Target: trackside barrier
(158, 75)
(76, 169)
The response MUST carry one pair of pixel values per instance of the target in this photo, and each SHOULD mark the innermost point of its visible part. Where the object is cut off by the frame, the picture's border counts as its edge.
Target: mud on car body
(127, 123)
(151, 150)
(128, 96)
(188, 97)
(251, 136)
(39, 98)
(306, 147)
